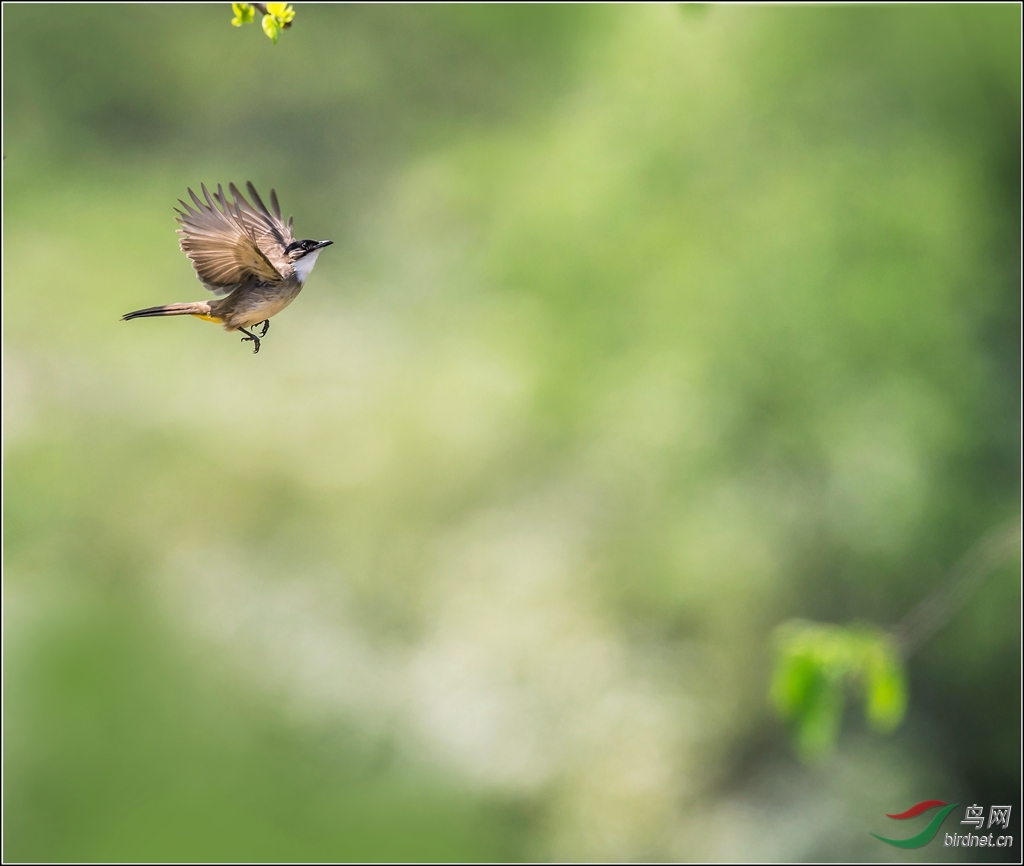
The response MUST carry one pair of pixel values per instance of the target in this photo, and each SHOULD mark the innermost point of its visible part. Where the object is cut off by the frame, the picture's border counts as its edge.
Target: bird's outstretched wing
(223, 248)
(272, 233)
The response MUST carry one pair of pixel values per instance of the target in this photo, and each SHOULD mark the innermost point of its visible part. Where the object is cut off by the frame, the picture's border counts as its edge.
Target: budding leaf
(282, 12)
(885, 685)
(271, 27)
(244, 13)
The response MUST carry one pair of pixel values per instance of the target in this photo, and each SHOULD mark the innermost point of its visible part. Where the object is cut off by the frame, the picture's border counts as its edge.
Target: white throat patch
(304, 266)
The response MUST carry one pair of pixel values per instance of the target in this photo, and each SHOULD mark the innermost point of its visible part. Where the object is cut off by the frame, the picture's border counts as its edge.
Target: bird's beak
(323, 244)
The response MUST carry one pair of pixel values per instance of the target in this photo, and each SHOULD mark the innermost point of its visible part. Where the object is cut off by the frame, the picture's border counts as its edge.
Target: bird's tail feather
(199, 308)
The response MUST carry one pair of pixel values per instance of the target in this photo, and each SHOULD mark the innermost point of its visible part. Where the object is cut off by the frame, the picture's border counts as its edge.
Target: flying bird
(244, 252)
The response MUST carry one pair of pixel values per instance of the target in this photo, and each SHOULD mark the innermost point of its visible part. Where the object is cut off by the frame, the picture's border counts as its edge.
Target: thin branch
(995, 548)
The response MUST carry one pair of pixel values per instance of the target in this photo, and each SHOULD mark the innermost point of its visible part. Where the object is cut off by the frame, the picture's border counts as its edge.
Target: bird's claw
(266, 327)
(251, 337)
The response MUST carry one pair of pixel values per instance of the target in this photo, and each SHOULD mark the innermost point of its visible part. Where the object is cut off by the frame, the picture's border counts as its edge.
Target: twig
(995, 548)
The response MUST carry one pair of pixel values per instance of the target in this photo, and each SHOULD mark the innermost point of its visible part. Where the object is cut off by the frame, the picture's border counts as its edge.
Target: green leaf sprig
(815, 663)
(276, 17)
(815, 666)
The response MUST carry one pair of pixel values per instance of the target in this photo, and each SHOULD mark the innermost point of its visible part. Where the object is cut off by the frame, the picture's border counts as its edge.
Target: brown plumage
(245, 252)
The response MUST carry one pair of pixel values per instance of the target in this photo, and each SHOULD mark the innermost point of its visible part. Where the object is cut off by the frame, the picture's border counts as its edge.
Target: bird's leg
(253, 337)
(266, 327)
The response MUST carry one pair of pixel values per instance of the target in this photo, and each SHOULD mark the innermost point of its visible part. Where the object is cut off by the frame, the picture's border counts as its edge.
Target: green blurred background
(644, 330)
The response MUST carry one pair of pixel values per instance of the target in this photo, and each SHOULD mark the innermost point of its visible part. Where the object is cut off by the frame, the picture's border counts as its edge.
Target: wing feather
(224, 251)
(271, 233)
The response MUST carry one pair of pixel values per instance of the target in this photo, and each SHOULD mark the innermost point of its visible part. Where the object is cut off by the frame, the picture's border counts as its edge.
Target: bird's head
(302, 254)
(300, 249)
